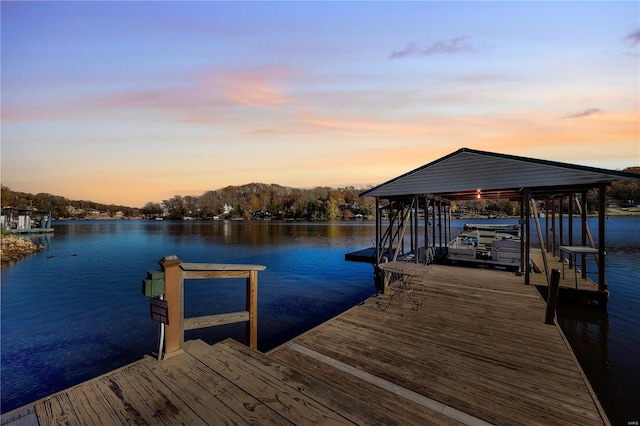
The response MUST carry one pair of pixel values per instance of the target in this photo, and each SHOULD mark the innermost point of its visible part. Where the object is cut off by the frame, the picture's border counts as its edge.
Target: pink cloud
(206, 94)
(252, 88)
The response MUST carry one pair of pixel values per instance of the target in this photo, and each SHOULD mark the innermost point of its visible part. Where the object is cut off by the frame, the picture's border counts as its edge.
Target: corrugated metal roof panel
(470, 170)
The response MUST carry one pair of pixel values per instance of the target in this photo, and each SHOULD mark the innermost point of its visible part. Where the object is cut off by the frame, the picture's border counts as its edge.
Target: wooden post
(416, 230)
(527, 248)
(447, 223)
(426, 227)
(602, 209)
(252, 307)
(570, 230)
(546, 225)
(552, 296)
(522, 236)
(560, 229)
(450, 229)
(378, 231)
(553, 224)
(440, 222)
(174, 295)
(583, 231)
(436, 248)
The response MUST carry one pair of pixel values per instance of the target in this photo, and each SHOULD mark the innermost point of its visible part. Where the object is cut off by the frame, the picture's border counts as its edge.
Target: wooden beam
(215, 320)
(190, 275)
(543, 251)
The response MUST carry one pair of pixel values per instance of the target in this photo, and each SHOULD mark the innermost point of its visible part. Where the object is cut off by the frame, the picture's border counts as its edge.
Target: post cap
(171, 260)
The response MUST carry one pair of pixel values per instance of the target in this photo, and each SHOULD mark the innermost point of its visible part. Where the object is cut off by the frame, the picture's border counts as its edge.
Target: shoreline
(14, 248)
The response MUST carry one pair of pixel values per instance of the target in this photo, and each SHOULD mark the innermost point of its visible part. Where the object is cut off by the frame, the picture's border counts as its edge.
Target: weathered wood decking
(476, 351)
(572, 286)
(477, 344)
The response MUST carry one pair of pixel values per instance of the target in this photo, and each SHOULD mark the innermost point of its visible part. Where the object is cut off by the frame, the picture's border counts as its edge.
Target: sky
(134, 102)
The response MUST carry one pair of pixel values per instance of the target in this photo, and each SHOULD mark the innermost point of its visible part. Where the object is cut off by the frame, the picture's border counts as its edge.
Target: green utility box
(153, 285)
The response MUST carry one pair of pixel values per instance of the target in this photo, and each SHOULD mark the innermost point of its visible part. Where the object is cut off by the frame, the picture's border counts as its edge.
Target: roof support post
(450, 232)
(426, 227)
(553, 225)
(445, 225)
(433, 225)
(583, 232)
(416, 207)
(570, 230)
(522, 237)
(527, 247)
(440, 221)
(546, 225)
(602, 285)
(560, 226)
(378, 231)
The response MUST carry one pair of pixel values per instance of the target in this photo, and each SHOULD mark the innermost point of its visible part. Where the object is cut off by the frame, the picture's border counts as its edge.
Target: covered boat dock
(25, 221)
(414, 210)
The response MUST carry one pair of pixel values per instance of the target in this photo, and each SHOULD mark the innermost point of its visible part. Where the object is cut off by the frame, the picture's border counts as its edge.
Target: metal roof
(461, 174)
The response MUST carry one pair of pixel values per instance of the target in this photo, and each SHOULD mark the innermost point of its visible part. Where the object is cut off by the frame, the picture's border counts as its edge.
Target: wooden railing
(175, 272)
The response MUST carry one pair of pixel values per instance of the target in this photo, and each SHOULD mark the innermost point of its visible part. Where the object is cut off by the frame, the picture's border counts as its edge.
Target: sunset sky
(130, 102)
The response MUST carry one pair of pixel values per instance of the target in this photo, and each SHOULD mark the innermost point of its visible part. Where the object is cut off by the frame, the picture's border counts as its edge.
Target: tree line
(271, 201)
(262, 201)
(60, 206)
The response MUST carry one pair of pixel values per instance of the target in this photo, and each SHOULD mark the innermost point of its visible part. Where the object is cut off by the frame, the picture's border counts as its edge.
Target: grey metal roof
(460, 174)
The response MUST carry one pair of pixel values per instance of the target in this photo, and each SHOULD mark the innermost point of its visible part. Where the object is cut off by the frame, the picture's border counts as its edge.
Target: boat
(488, 244)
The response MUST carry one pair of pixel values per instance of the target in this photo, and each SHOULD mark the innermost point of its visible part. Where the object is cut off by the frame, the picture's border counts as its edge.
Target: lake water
(75, 310)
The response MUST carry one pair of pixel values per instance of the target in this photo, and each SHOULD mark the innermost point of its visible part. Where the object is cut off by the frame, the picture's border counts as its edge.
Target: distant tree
(191, 205)
(625, 190)
(6, 196)
(151, 209)
(508, 208)
(175, 207)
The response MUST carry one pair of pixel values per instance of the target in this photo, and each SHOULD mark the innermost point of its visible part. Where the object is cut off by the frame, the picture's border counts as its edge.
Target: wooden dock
(475, 352)
(572, 286)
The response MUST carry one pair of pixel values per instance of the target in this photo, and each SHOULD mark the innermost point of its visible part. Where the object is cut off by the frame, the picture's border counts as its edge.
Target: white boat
(487, 244)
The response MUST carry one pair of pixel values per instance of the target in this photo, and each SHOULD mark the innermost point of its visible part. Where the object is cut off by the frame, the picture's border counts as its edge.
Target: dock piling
(552, 296)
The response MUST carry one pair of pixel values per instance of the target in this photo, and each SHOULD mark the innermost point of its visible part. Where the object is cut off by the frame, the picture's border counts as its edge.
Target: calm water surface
(75, 311)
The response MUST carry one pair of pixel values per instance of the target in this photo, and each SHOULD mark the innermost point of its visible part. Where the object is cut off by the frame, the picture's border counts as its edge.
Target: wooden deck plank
(484, 373)
(442, 384)
(351, 404)
(394, 408)
(469, 358)
(292, 405)
(146, 397)
(212, 396)
(477, 343)
(433, 336)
